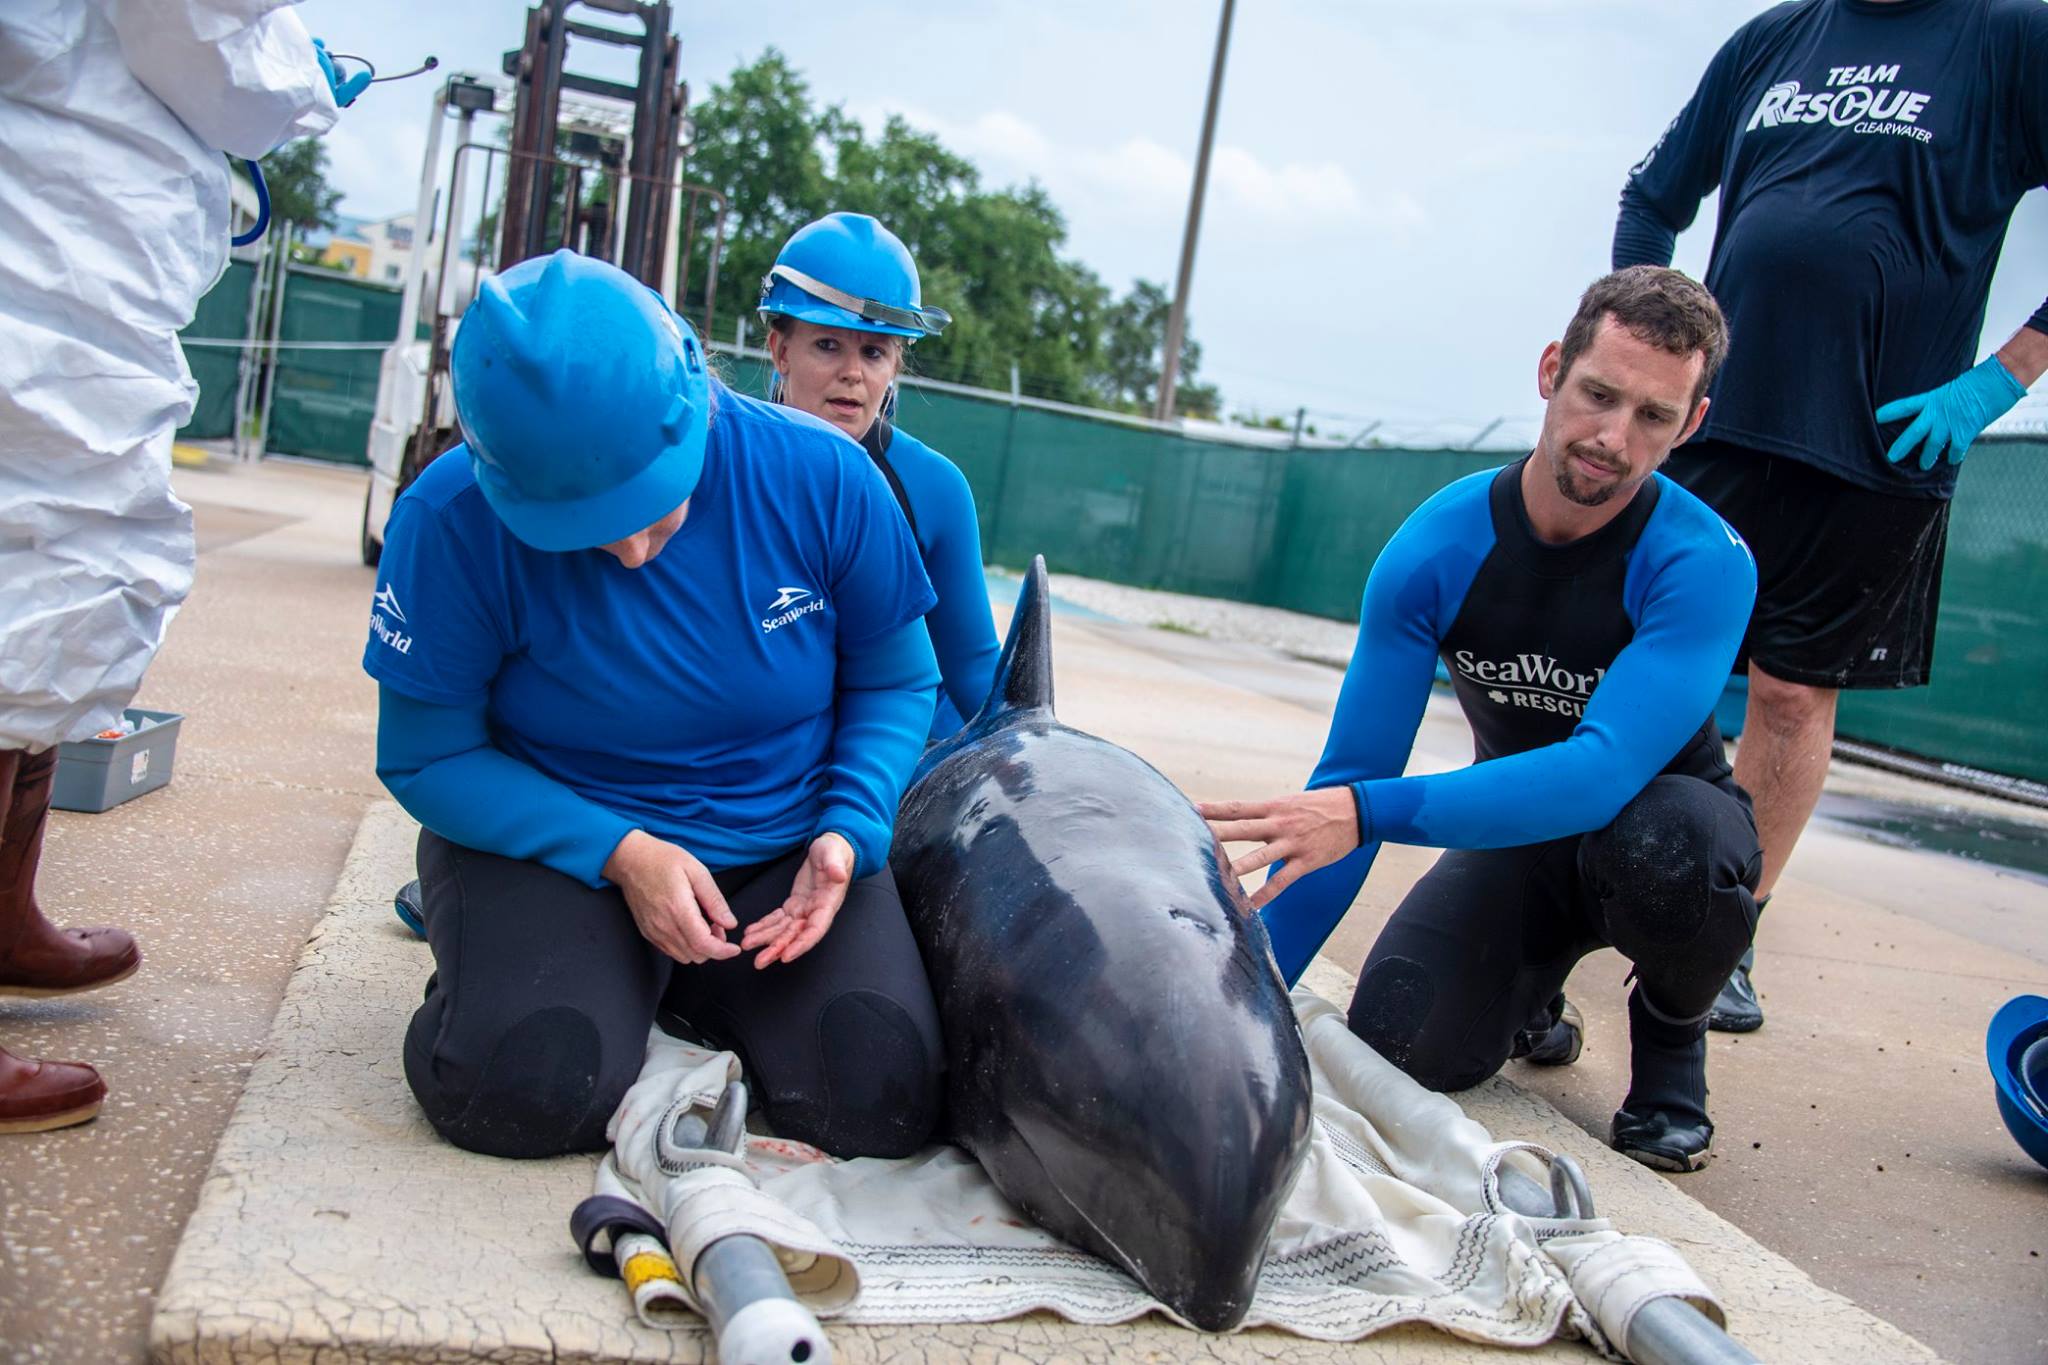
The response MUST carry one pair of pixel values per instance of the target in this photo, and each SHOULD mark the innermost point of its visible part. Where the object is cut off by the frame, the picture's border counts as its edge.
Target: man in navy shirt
(1587, 611)
(1869, 154)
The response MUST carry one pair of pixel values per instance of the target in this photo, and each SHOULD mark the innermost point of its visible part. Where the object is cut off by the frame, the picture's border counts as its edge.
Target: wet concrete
(2011, 845)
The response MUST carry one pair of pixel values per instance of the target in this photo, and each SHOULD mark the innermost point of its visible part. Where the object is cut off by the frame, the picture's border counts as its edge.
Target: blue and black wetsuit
(1599, 808)
(937, 502)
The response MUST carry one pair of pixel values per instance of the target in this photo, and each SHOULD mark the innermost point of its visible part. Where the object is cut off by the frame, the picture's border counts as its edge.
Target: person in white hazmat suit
(114, 115)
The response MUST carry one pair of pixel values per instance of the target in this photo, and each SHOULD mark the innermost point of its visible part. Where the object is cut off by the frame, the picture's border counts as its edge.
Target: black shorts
(1848, 580)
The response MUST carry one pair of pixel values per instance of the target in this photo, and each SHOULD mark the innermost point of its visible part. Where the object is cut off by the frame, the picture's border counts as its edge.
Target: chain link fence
(321, 365)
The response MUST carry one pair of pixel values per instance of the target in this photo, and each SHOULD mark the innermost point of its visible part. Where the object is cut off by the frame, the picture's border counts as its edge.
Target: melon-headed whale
(1122, 1057)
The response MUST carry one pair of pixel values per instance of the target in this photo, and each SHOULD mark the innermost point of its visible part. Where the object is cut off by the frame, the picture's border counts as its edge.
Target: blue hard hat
(2017, 1048)
(847, 270)
(584, 401)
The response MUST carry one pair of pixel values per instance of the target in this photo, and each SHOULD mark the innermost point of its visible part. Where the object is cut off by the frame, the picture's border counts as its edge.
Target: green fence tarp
(322, 401)
(1985, 705)
(1300, 528)
(223, 315)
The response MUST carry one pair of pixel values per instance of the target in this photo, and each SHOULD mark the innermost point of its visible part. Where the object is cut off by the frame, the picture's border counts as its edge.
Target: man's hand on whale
(1308, 830)
(796, 926)
(674, 900)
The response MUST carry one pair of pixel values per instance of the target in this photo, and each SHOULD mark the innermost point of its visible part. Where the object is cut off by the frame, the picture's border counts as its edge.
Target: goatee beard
(1582, 494)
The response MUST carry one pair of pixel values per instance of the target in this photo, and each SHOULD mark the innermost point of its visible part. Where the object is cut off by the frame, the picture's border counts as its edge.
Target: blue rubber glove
(345, 91)
(1949, 418)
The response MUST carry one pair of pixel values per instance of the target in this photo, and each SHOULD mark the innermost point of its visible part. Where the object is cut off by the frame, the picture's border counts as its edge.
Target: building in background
(375, 251)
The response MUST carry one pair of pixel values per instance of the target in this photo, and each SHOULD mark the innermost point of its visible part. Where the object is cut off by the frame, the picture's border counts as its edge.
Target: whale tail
(1024, 672)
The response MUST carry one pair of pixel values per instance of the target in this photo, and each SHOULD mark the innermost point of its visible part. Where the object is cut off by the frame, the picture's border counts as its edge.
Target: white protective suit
(113, 222)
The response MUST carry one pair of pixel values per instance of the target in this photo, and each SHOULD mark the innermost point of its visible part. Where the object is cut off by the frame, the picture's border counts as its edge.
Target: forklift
(583, 162)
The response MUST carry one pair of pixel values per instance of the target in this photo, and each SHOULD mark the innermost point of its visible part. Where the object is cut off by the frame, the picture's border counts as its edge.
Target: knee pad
(1671, 876)
(1652, 870)
(1391, 1005)
(1390, 1013)
(883, 1079)
(541, 1091)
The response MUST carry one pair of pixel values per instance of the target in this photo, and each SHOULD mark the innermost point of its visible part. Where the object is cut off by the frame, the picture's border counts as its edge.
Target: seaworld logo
(383, 605)
(396, 639)
(1534, 682)
(787, 598)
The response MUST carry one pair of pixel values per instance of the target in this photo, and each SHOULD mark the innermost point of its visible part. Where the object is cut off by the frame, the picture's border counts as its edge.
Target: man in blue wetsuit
(1869, 155)
(1587, 610)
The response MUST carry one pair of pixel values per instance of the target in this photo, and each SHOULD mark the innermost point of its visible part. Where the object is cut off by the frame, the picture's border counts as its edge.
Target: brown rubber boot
(36, 957)
(37, 1096)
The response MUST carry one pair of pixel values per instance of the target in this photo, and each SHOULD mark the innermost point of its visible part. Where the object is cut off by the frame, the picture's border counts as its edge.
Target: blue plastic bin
(98, 774)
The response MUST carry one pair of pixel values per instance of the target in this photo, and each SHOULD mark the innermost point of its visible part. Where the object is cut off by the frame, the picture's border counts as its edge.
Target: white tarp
(1396, 1218)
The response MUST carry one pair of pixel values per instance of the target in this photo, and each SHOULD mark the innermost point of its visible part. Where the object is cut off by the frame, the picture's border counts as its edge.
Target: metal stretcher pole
(1664, 1331)
(746, 1297)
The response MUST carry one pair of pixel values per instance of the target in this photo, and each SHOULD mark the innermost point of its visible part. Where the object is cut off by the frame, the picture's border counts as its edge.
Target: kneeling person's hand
(673, 897)
(1308, 830)
(799, 923)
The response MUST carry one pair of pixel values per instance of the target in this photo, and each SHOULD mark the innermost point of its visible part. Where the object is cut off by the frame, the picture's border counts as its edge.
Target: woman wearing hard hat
(842, 304)
(653, 673)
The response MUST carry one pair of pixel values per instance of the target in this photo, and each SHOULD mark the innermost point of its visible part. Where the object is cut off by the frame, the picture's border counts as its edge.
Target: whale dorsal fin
(1024, 672)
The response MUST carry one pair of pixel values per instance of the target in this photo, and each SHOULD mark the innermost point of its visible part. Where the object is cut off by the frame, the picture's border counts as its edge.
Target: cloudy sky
(1406, 195)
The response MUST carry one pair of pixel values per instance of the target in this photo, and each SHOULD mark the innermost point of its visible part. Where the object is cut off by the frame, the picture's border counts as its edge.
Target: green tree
(992, 258)
(1134, 351)
(760, 144)
(296, 175)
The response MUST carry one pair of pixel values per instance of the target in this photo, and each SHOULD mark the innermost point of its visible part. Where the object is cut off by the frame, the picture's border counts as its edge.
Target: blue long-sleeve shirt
(1584, 669)
(765, 678)
(940, 508)
(1869, 158)
(440, 764)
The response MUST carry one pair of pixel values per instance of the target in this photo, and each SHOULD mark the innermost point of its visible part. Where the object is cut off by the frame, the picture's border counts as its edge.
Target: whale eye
(1192, 919)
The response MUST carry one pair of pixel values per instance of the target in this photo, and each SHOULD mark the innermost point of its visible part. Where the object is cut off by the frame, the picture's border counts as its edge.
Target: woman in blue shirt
(842, 304)
(653, 672)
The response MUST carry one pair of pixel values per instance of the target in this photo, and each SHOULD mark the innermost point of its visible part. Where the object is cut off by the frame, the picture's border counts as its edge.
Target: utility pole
(1176, 320)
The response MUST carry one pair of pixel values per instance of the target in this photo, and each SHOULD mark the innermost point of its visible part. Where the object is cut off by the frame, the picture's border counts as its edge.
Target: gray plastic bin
(96, 774)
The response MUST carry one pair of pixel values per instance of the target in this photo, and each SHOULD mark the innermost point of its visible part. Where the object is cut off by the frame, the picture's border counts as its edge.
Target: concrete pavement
(220, 875)
(224, 873)
(335, 1225)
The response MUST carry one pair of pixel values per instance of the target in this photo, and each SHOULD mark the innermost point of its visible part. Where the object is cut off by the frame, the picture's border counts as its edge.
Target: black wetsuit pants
(1484, 941)
(535, 1020)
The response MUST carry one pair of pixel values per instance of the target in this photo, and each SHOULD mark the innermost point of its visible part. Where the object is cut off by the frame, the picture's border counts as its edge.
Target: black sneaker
(1661, 1141)
(1736, 1009)
(1555, 1039)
